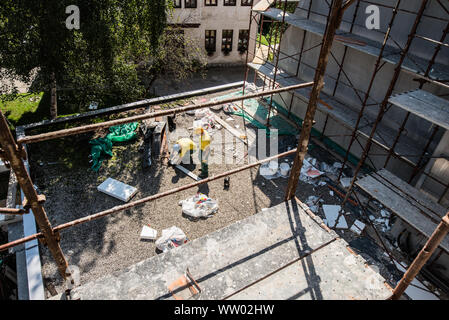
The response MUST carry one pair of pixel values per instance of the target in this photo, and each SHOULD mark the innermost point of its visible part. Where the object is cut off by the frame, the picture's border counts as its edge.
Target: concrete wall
(359, 67)
(217, 18)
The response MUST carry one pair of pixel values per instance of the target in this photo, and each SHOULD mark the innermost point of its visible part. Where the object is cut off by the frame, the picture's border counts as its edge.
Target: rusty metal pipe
(12, 211)
(334, 22)
(143, 200)
(15, 155)
(102, 125)
(426, 252)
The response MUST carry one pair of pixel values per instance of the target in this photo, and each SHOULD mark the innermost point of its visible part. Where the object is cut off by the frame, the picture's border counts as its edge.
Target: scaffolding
(14, 153)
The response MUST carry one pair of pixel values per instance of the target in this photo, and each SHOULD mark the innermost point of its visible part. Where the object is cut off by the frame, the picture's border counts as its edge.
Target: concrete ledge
(229, 259)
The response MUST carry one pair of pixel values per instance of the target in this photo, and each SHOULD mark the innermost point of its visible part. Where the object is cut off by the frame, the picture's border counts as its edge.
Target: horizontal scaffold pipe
(107, 124)
(143, 200)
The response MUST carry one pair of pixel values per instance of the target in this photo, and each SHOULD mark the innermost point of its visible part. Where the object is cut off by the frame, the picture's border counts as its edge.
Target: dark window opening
(211, 41)
(176, 3)
(190, 4)
(247, 3)
(243, 40)
(229, 2)
(226, 44)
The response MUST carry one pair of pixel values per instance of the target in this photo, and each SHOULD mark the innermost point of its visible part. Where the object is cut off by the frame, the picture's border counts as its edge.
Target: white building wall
(217, 18)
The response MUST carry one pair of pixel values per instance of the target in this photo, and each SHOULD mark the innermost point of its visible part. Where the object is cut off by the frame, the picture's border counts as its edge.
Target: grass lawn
(24, 109)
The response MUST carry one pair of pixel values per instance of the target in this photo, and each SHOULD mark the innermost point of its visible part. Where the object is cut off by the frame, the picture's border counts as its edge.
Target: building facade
(221, 27)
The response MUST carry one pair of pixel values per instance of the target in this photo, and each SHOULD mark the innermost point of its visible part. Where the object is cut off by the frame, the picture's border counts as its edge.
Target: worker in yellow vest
(181, 149)
(204, 150)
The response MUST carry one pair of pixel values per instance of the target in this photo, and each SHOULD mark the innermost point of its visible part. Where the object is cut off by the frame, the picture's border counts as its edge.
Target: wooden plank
(429, 98)
(414, 194)
(262, 5)
(425, 106)
(232, 130)
(401, 207)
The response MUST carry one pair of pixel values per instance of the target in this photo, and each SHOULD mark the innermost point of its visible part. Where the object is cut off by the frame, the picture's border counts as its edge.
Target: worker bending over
(182, 151)
(204, 151)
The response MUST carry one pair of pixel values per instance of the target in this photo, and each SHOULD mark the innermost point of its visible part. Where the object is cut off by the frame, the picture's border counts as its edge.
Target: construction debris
(331, 213)
(171, 238)
(312, 202)
(148, 233)
(358, 227)
(270, 170)
(345, 182)
(117, 189)
(199, 205)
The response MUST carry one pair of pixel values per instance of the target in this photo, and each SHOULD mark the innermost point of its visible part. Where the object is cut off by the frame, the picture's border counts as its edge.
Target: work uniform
(185, 152)
(204, 151)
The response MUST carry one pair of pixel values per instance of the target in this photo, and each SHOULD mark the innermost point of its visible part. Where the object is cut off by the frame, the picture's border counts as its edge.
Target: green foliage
(95, 63)
(290, 7)
(178, 56)
(22, 107)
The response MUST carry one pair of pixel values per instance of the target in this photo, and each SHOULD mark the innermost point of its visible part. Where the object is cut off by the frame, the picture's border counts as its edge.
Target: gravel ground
(112, 243)
(61, 171)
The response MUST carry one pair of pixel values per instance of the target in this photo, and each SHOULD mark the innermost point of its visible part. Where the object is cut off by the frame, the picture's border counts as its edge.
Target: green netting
(256, 114)
(102, 147)
(253, 104)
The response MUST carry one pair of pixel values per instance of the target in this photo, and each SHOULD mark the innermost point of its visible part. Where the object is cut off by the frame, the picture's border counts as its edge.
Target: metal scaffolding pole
(404, 122)
(16, 155)
(371, 83)
(383, 106)
(135, 203)
(334, 22)
(426, 252)
(277, 57)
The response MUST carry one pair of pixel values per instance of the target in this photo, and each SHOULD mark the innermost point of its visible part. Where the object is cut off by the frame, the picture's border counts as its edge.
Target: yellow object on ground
(186, 145)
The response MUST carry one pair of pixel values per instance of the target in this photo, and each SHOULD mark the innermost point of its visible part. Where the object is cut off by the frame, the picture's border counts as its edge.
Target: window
(243, 40)
(176, 3)
(210, 2)
(229, 2)
(226, 44)
(247, 3)
(211, 40)
(190, 4)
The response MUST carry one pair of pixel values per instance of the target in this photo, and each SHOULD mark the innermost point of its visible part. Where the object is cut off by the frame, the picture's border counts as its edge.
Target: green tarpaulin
(102, 147)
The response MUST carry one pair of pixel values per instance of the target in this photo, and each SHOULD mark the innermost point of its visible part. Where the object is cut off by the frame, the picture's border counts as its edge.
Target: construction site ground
(61, 170)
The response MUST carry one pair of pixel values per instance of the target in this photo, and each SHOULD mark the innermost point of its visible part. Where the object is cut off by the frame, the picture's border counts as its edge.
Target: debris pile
(198, 206)
(171, 238)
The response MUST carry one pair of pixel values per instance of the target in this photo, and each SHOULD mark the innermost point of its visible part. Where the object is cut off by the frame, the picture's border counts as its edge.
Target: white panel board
(117, 189)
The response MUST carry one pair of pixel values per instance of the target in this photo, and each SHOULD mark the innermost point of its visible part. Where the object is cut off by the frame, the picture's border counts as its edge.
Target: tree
(95, 59)
(177, 56)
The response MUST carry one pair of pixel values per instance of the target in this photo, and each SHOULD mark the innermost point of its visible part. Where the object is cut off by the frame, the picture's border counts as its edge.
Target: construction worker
(204, 150)
(181, 149)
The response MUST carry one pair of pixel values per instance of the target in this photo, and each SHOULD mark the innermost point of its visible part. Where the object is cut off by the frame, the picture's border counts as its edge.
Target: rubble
(148, 233)
(331, 212)
(357, 227)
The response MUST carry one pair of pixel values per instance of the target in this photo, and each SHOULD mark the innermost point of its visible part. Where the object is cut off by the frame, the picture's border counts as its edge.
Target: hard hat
(176, 147)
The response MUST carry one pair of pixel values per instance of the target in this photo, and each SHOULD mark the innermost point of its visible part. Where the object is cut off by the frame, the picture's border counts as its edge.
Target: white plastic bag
(171, 238)
(199, 205)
